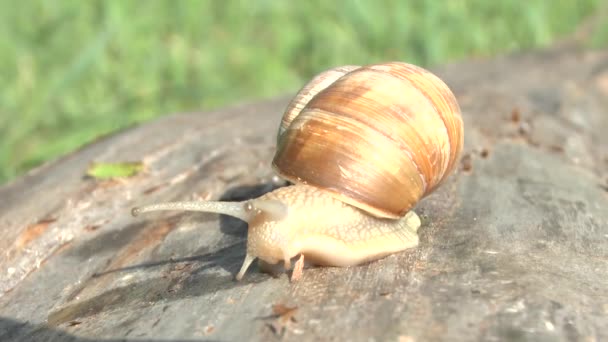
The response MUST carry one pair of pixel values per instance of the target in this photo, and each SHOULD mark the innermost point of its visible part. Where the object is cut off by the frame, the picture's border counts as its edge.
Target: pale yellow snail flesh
(362, 145)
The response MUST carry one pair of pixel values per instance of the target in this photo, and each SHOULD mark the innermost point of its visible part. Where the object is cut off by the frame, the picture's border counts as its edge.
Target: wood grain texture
(514, 246)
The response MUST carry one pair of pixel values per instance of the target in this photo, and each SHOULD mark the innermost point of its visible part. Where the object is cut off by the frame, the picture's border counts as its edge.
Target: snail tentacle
(234, 209)
(246, 263)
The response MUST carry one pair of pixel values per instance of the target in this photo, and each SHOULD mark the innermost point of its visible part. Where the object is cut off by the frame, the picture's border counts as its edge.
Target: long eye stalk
(246, 211)
(239, 210)
(234, 209)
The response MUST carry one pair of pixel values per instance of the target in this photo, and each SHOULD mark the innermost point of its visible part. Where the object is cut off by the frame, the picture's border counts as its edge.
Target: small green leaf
(114, 170)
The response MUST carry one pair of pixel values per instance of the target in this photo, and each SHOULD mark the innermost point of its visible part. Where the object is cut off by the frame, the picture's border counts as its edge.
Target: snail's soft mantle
(362, 146)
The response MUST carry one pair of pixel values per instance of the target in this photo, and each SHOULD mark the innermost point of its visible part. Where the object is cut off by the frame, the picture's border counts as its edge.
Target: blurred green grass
(72, 70)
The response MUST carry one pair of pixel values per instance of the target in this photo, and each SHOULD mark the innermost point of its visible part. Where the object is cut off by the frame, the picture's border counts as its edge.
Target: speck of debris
(92, 228)
(74, 323)
(384, 293)
(467, 163)
(515, 115)
(484, 153)
(283, 315)
(556, 148)
(284, 312)
(154, 188)
(209, 329)
(33, 232)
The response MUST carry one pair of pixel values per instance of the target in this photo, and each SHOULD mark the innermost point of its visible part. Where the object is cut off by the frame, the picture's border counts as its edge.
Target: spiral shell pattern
(379, 137)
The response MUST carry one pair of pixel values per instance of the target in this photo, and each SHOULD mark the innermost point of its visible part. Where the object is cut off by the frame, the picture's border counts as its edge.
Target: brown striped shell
(379, 137)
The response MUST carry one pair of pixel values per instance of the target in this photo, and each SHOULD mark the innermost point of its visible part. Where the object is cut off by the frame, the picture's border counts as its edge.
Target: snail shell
(379, 137)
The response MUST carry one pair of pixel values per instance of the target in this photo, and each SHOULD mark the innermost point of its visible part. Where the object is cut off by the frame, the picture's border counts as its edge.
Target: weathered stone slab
(513, 247)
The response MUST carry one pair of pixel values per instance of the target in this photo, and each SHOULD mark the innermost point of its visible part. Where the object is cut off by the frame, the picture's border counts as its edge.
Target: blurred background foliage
(73, 70)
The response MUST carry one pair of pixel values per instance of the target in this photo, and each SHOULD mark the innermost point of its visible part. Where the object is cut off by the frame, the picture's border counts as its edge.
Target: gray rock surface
(513, 247)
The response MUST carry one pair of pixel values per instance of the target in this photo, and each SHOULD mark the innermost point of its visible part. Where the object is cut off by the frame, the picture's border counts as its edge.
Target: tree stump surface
(513, 247)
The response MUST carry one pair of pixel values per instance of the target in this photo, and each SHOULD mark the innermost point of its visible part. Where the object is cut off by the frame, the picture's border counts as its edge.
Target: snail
(360, 145)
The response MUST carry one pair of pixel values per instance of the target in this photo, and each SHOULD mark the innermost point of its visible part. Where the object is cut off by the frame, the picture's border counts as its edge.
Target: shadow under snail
(361, 145)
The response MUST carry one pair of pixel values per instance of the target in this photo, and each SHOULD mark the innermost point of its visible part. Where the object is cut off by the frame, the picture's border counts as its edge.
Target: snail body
(304, 220)
(362, 145)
